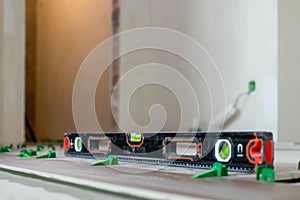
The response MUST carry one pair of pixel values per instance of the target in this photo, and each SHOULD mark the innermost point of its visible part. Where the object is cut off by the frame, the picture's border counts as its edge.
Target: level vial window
(78, 144)
(223, 150)
(135, 137)
(185, 148)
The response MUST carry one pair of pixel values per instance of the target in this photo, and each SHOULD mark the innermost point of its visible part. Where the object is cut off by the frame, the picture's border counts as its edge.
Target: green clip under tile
(265, 174)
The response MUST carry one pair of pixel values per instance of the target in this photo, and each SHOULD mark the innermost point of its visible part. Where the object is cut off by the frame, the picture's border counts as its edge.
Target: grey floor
(20, 187)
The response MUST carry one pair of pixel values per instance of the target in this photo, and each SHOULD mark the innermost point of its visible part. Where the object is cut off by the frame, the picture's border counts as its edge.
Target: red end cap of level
(269, 151)
(66, 143)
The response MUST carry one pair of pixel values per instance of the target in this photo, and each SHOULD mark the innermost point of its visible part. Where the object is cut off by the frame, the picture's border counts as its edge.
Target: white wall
(289, 70)
(12, 68)
(134, 14)
(241, 37)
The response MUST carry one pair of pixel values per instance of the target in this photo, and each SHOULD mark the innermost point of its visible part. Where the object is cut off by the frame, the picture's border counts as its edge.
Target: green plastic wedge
(50, 154)
(299, 165)
(23, 155)
(100, 163)
(218, 170)
(111, 160)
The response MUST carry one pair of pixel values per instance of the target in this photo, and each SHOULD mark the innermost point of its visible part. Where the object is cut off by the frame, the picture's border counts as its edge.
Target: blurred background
(43, 43)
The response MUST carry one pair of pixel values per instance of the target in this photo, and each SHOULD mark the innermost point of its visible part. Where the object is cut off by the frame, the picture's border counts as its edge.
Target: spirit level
(239, 151)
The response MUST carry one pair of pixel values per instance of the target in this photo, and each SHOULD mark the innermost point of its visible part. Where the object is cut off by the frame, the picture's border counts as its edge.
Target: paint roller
(223, 118)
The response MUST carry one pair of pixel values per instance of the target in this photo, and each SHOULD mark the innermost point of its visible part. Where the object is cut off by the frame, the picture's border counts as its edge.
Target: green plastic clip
(299, 165)
(51, 146)
(218, 170)
(40, 148)
(111, 160)
(265, 174)
(5, 149)
(24, 151)
(27, 154)
(50, 154)
(23, 146)
(31, 152)
(24, 155)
